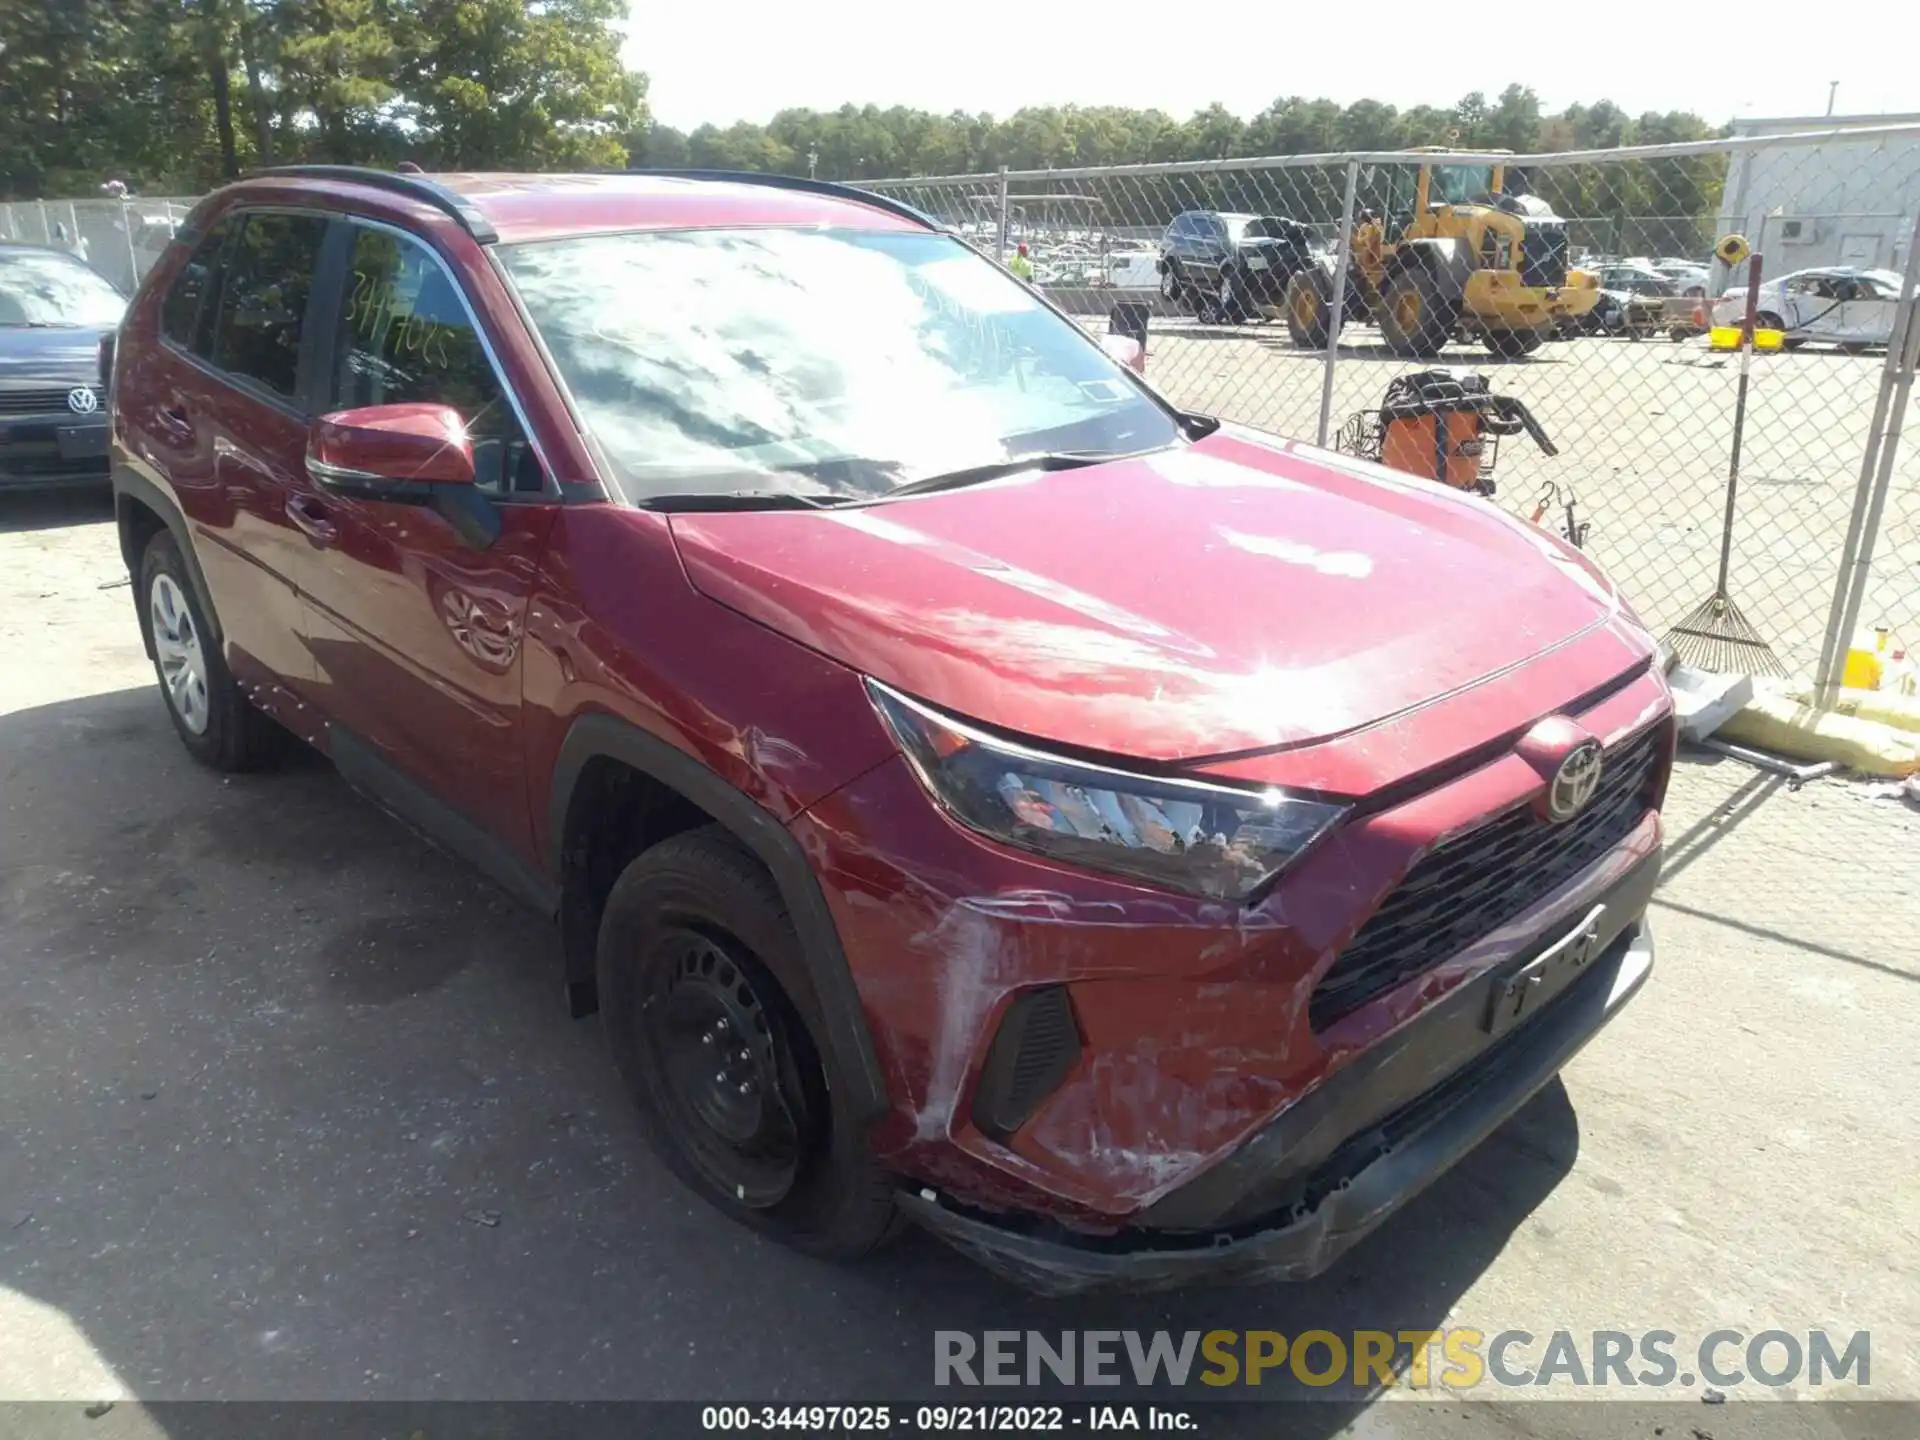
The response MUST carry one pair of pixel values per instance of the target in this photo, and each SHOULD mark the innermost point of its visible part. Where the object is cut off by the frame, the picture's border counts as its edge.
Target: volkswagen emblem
(82, 401)
(1575, 781)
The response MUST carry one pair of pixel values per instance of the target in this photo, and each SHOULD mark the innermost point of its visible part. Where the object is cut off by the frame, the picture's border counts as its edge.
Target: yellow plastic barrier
(1727, 337)
(1882, 707)
(1779, 721)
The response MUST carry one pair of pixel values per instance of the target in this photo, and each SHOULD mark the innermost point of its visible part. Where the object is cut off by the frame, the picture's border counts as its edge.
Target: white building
(1837, 202)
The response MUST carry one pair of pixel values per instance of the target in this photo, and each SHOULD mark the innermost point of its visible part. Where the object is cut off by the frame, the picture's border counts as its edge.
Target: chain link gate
(1632, 393)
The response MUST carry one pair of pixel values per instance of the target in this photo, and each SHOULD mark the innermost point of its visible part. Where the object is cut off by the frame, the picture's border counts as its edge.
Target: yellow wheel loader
(1469, 261)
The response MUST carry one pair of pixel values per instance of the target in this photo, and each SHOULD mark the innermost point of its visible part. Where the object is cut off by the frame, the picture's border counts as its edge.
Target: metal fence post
(1000, 244)
(126, 232)
(1338, 302)
(1876, 477)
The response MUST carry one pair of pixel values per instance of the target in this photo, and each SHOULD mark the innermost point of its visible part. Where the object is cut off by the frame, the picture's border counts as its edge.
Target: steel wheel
(1305, 308)
(733, 1098)
(177, 649)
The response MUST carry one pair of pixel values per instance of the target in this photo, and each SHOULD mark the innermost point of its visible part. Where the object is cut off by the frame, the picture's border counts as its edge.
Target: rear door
(416, 634)
(220, 419)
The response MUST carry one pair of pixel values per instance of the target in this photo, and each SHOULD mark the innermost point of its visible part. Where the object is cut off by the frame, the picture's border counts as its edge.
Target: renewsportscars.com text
(1453, 1359)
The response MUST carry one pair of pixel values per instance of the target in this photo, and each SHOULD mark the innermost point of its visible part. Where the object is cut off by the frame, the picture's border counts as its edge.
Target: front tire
(1231, 302)
(732, 1090)
(218, 725)
(1309, 309)
(1417, 315)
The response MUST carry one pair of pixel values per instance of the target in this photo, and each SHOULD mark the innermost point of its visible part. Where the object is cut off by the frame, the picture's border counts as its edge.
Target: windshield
(1458, 184)
(43, 287)
(823, 362)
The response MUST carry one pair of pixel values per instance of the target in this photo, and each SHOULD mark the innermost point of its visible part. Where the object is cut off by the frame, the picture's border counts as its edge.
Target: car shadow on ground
(294, 1110)
(55, 509)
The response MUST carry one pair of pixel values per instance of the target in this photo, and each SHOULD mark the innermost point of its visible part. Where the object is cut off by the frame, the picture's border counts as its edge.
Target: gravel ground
(292, 1109)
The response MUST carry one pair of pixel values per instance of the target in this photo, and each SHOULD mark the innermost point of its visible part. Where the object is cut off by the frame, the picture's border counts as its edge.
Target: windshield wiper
(740, 500)
(999, 469)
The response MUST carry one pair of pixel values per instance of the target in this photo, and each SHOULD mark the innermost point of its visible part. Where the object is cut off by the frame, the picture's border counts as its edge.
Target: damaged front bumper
(1365, 1179)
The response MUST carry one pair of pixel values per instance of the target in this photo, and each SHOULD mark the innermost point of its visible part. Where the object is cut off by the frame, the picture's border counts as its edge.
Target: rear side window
(406, 338)
(183, 309)
(263, 304)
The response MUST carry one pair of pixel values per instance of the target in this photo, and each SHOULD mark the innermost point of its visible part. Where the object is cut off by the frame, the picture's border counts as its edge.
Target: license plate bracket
(82, 442)
(1515, 995)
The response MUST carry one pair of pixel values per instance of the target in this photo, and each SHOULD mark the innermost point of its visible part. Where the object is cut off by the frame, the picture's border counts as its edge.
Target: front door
(415, 634)
(1868, 312)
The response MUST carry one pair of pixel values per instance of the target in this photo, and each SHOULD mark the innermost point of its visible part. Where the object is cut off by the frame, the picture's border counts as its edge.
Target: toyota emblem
(82, 401)
(1575, 781)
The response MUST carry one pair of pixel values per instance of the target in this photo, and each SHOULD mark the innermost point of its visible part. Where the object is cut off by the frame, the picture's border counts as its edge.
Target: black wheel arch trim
(826, 990)
(136, 487)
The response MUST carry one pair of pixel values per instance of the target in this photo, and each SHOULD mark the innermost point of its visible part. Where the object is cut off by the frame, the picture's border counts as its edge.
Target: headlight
(1209, 840)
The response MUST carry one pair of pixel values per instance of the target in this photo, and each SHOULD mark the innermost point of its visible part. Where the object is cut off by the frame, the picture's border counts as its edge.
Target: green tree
(334, 67)
(506, 84)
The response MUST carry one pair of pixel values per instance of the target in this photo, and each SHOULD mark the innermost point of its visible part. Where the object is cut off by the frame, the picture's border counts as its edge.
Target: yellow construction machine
(1468, 261)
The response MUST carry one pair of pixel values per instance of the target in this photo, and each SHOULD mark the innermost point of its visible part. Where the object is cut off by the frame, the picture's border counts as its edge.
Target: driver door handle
(310, 518)
(174, 420)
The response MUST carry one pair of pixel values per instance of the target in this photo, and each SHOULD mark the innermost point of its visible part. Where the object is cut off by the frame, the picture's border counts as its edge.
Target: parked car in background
(929, 841)
(1228, 267)
(1133, 269)
(1688, 279)
(55, 313)
(1633, 301)
(1834, 304)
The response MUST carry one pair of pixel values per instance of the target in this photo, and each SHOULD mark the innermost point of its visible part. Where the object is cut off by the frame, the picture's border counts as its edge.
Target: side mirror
(404, 455)
(390, 452)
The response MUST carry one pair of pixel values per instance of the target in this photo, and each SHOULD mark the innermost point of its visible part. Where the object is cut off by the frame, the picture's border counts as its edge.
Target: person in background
(1020, 264)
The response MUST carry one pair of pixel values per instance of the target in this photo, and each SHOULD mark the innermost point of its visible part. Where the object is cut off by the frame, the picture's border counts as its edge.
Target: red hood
(1236, 595)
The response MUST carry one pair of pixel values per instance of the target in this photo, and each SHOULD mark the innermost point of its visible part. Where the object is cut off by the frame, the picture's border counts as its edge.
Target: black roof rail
(414, 187)
(800, 182)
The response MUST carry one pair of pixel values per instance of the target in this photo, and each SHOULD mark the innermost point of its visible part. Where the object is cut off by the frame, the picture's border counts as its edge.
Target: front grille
(1469, 887)
(51, 401)
(41, 464)
(1543, 255)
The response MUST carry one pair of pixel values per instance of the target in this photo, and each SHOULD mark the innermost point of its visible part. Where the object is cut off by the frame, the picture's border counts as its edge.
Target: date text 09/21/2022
(935, 1419)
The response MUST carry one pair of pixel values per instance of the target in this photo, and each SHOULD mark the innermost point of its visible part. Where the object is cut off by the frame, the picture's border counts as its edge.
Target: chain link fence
(119, 238)
(1624, 382)
(1621, 375)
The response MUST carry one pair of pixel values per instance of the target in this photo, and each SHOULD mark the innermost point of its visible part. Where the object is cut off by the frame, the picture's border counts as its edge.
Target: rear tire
(731, 1088)
(1417, 313)
(219, 726)
(1514, 343)
(1309, 308)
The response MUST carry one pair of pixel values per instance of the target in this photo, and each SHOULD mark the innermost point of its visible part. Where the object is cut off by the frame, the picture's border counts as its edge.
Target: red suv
(969, 788)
